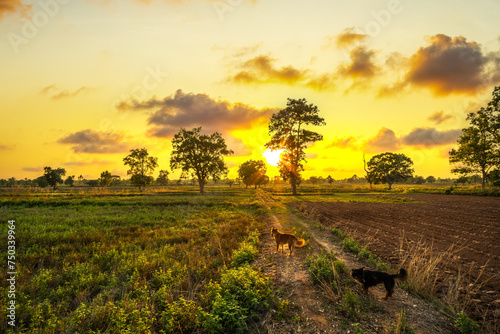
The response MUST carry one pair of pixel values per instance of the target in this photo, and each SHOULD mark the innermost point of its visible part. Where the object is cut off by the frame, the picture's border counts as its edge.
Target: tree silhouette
(478, 149)
(430, 179)
(390, 168)
(162, 179)
(251, 172)
(70, 181)
(141, 167)
(370, 177)
(106, 178)
(54, 176)
(199, 155)
(288, 132)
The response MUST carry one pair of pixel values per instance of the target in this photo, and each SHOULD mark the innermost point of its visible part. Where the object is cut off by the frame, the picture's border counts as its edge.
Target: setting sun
(272, 157)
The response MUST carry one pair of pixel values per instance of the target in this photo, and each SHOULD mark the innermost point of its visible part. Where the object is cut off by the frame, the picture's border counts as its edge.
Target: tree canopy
(251, 172)
(288, 132)
(162, 179)
(199, 155)
(54, 176)
(478, 149)
(141, 167)
(389, 168)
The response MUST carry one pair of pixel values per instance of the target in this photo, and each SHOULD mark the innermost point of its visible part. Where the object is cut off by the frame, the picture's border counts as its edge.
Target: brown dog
(286, 238)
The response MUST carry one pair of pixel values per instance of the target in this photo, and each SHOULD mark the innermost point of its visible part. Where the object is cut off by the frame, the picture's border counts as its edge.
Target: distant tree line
(200, 157)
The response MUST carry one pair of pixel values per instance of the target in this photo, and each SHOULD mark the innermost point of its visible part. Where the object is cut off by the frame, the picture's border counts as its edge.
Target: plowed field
(472, 223)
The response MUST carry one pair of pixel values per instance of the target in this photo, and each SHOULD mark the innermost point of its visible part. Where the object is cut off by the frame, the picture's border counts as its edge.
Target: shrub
(351, 304)
(246, 254)
(321, 268)
(340, 266)
(364, 253)
(241, 293)
(350, 245)
(339, 233)
(465, 324)
(182, 316)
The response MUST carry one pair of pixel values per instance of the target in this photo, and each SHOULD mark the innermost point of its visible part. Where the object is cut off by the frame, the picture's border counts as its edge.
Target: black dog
(371, 278)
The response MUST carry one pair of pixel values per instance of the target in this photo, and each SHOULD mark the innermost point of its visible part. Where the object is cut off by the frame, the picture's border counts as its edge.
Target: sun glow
(272, 157)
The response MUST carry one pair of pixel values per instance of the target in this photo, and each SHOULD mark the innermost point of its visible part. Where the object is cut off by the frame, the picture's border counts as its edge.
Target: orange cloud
(190, 110)
(13, 6)
(346, 142)
(349, 38)
(58, 93)
(361, 68)
(321, 82)
(384, 140)
(262, 69)
(429, 137)
(91, 141)
(449, 65)
(439, 117)
(362, 64)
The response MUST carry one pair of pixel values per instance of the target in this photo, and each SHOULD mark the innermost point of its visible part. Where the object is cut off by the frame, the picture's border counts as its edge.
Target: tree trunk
(293, 181)
(483, 181)
(390, 186)
(202, 186)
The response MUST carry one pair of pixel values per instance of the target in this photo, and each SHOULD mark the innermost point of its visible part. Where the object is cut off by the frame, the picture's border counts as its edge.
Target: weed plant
(401, 326)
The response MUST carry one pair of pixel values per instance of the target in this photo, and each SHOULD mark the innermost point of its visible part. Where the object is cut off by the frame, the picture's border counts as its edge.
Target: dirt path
(318, 315)
(290, 274)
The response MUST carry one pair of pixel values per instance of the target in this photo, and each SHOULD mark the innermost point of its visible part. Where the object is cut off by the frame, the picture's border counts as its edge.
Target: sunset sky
(85, 81)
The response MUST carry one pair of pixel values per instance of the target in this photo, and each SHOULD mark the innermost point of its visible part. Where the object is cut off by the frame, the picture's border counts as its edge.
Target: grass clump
(338, 233)
(325, 267)
(351, 304)
(183, 316)
(350, 245)
(401, 326)
(465, 324)
(247, 252)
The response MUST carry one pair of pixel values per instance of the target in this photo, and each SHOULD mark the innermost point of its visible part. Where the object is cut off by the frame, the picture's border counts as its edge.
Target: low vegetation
(154, 262)
(178, 261)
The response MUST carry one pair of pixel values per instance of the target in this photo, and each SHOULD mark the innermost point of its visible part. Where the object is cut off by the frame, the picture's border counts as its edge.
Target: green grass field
(108, 262)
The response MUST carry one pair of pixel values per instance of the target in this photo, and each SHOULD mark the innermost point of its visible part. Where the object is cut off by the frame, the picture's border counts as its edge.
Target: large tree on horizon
(389, 168)
(141, 167)
(288, 130)
(54, 176)
(478, 149)
(251, 171)
(199, 155)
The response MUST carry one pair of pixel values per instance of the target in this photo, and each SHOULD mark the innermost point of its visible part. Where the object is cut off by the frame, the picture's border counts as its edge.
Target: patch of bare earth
(469, 223)
(318, 313)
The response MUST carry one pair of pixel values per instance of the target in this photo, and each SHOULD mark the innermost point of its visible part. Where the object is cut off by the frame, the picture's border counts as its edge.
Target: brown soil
(470, 223)
(320, 314)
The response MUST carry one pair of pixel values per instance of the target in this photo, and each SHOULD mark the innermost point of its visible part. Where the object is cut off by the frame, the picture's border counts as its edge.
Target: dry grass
(424, 265)
(426, 272)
